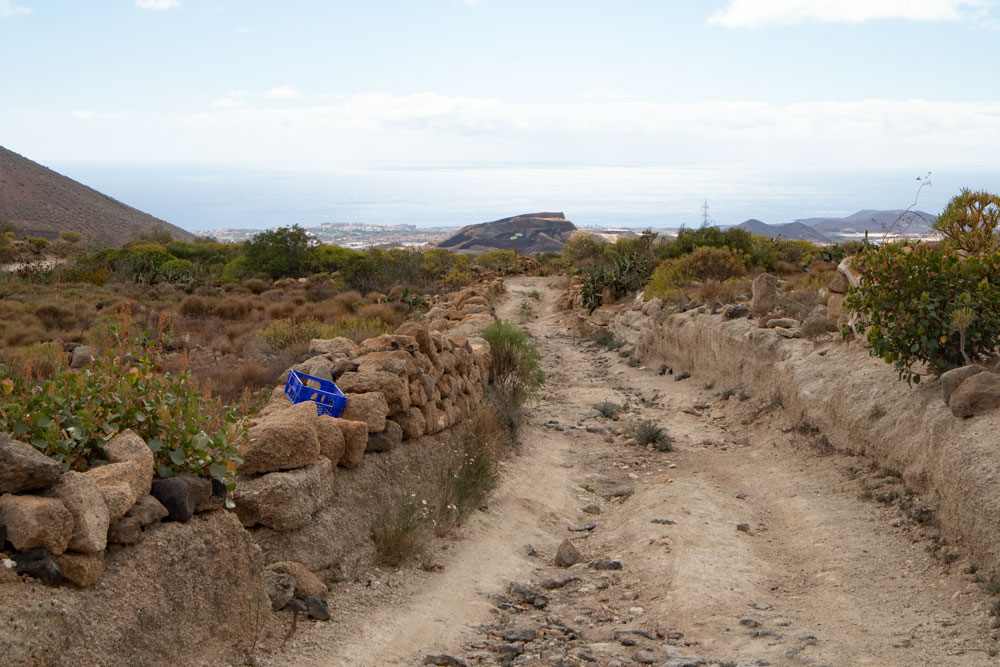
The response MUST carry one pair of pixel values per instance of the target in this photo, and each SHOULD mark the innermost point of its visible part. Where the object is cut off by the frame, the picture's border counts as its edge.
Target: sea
(204, 198)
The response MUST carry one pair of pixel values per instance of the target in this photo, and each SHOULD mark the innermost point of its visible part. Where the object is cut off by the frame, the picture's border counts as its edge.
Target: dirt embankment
(856, 402)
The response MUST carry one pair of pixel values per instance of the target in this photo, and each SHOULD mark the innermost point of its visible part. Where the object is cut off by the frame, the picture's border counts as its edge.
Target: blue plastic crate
(328, 398)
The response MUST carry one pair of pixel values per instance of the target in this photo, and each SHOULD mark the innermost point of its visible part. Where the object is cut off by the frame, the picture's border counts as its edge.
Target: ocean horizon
(204, 198)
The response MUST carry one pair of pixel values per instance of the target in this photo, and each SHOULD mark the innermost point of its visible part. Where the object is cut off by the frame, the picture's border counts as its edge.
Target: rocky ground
(750, 543)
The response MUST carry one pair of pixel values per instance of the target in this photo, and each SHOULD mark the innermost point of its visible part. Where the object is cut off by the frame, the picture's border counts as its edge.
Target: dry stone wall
(856, 401)
(310, 484)
(307, 492)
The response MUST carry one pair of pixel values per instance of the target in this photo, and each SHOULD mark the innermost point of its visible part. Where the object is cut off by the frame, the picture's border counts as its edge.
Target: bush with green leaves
(496, 259)
(708, 263)
(515, 370)
(970, 221)
(621, 275)
(74, 413)
(907, 302)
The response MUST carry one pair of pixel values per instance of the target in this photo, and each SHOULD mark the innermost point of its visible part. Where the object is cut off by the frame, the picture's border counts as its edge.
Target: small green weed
(396, 532)
(648, 433)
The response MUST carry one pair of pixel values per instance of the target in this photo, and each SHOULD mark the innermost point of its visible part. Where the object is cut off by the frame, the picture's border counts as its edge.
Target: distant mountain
(41, 202)
(793, 231)
(874, 222)
(540, 232)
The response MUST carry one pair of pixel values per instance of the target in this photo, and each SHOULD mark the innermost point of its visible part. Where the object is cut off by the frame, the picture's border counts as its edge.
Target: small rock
(552, 584)
(581, 527)
(682, 376)
(592, 509)
(280, 588)
(736, 311)
(33, 521)
(41, 565)
(181, 494)
(295, 604)
(743, 527)
(749, 623)
(148, 510)
(318, 608)
(954, 378)
(81, 569)
(525, 635)
(444, 660)
(127, 530)
(567, 554)
(976, 395)
(644, 657)
(606, 565)
(82, 356)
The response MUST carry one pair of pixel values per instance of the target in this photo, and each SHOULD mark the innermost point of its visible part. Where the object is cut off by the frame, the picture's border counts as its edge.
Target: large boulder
(331, 438)
(394, 388)
(370, 408)
(284, 500)
(976, 395)
(355, 442)
(283, 440)
(953, 379)
(318, 367)
(34, 521)
(82, 356)
(24, 468)
(81, 495)
(397, 362)
(128, 446)
(765, 294)
(121, 484)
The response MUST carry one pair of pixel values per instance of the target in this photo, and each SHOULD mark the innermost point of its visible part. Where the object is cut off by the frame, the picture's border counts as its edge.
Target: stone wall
(856, 401)
(307, 492)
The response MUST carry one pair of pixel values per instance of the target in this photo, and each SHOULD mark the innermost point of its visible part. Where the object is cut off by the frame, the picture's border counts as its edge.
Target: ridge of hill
(791, 230)
(873, 221)
(540, 232)
(41, 202)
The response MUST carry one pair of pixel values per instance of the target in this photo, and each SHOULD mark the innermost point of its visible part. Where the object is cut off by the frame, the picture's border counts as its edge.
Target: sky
(321, 84)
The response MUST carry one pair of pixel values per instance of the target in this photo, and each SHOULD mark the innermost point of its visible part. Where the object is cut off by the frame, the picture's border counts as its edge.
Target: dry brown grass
(233, 308)
(350, 299)
(381, 311)
(255, 285)
(56, 317)
(195, 306)
(326, 311)
(280, 311)
(728, 291)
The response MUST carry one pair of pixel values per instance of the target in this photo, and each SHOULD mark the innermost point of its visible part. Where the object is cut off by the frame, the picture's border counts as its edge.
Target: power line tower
(704, 214)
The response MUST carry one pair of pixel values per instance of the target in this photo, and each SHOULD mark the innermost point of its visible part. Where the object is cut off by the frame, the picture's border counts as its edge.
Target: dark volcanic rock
(181, 494)
(24, 468)
(41, 565)
(541, 232)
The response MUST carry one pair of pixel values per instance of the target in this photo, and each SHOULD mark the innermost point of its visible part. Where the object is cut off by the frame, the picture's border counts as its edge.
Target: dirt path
(747, 545)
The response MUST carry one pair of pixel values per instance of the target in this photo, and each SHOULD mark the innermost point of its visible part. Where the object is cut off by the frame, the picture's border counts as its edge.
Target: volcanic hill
(42, 202)
(540, 232)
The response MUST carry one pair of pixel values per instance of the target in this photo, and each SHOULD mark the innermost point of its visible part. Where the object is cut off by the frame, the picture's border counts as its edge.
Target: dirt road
(749, 544)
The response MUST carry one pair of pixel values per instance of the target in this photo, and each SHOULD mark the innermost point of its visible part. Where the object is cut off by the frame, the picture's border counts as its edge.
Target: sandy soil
(820, 573)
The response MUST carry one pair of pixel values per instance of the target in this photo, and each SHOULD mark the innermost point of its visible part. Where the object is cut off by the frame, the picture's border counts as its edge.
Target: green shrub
(707, 263)
(907, 299)
(669, 278)
(74, 413)
(396, 531)
(583, 251)
(291, 334)
(280, 252)
(648, 433)
(515, 370)
(496, 259)
(970, 221)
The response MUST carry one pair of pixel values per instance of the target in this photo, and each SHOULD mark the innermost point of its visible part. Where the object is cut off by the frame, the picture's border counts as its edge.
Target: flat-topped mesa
(539, 232)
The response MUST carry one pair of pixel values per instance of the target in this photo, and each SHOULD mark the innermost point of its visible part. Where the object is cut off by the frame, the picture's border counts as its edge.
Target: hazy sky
(836, 83)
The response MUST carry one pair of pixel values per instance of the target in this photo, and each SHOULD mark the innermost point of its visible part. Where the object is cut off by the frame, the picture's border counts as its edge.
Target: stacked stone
(414, 382)
(61, 523)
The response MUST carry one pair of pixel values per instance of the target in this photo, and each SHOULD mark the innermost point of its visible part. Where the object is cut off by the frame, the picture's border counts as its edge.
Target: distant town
(352, 234)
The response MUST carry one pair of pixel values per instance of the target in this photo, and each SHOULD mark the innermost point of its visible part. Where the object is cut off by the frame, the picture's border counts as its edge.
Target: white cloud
(235, 98)
(8, 8)
(282, 93)
(101, 115)
(156, 5)
(757, 13)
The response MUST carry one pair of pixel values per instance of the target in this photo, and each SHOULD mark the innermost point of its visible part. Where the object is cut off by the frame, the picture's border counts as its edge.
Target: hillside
(541, 232)
(791, 230)
(42, 202)
(918, 222)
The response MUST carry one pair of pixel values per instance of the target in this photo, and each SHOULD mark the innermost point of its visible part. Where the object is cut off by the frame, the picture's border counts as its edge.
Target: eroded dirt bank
(752, 543)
